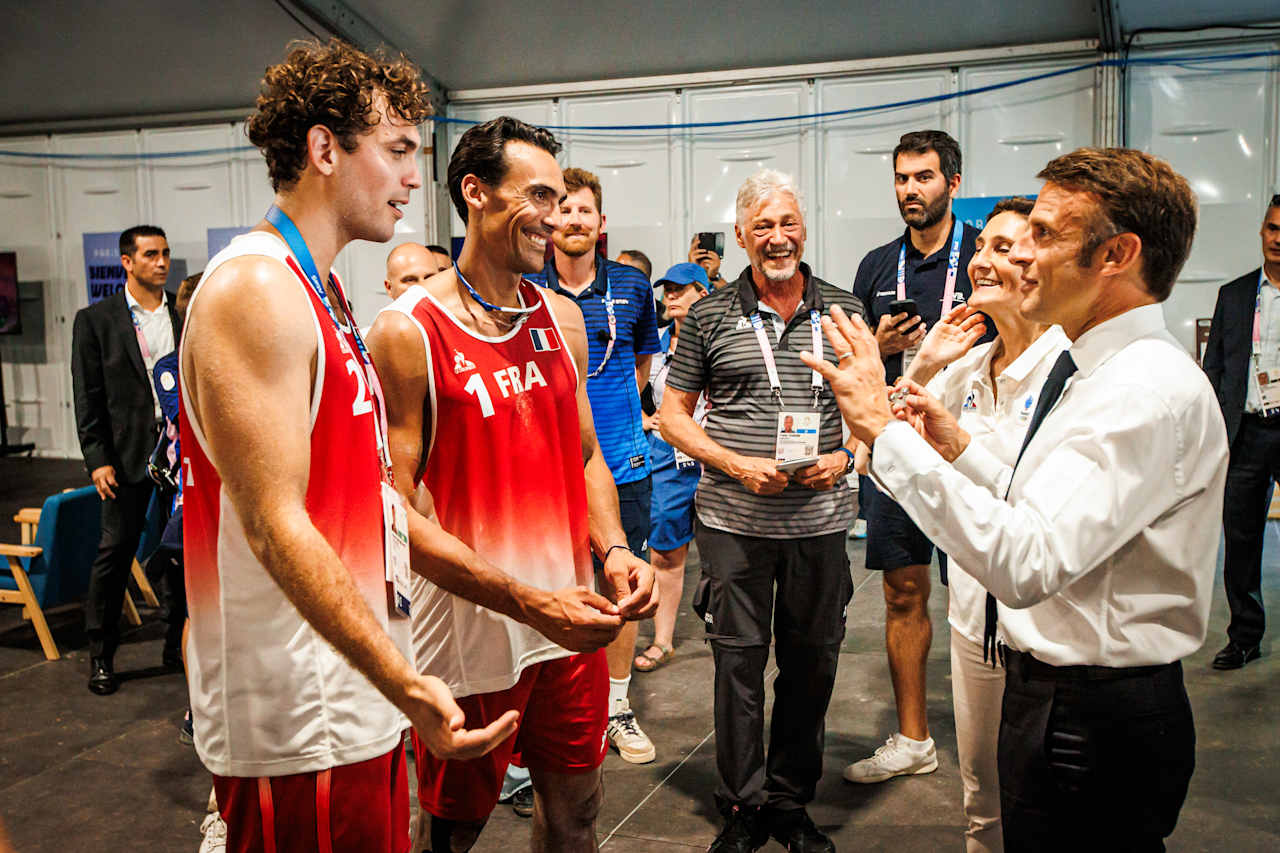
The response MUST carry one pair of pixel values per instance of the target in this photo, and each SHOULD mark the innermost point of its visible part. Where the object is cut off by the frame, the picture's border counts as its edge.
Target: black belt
(1023, 665)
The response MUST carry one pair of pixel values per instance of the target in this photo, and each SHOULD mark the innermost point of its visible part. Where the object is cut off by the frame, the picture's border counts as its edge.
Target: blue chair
(54, 568)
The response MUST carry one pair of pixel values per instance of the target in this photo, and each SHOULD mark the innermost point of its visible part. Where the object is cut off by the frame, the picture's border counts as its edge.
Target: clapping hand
(953, 336)
(857, 378)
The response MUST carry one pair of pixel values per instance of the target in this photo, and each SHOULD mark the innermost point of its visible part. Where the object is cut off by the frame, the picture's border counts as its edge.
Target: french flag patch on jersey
(544, 340)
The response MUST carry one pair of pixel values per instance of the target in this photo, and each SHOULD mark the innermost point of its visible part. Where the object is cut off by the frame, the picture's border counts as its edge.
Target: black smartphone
(908, 307)
(712, 241)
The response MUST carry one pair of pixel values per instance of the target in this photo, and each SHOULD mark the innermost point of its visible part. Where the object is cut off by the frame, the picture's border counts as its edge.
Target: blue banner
(974, 209)
(220, 238)
(103, 272)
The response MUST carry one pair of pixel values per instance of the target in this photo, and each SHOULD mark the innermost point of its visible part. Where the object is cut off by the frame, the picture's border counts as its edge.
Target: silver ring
(843, 357)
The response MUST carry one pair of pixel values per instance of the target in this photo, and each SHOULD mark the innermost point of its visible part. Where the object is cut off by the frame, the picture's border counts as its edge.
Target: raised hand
(953, 336)
(857, 379)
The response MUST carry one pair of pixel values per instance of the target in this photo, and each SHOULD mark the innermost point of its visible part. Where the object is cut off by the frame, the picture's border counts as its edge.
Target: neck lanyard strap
(771, 367)
(137, 330)
(298, 247)
(953, 268)
(1257, 315)
(522, 311)
(613, 327)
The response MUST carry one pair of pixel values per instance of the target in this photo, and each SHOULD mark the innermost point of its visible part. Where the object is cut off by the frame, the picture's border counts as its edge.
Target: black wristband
(605, 558)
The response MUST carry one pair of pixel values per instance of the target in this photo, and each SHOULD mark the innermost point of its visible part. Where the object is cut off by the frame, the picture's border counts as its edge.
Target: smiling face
(773, 234)
(997, 282)
(374, 180)
(580, 223)
(1055, 287)
(517, 216)
(924, 193)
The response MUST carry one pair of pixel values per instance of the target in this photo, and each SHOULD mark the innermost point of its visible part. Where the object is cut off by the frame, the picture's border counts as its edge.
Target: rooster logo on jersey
(461, 364)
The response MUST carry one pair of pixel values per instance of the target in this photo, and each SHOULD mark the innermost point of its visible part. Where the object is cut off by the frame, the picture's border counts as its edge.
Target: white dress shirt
(997, 416)
(1105, 551)
(157, 331)
(1269, 343)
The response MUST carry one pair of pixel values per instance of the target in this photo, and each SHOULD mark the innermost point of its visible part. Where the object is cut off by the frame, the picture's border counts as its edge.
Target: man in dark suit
(1242, 365)
(114, 346)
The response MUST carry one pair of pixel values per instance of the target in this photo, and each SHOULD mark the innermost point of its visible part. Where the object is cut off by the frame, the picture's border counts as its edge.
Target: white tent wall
(1216, 126)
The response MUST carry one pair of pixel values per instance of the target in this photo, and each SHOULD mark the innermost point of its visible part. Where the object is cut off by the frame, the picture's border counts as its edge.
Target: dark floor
(83, 772)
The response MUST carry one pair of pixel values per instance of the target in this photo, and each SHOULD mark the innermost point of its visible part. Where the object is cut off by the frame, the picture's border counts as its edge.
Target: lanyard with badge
(949, 291)
(1268, 381)
(395, 517)
(613, 327)
(797, 437)
(145, 349)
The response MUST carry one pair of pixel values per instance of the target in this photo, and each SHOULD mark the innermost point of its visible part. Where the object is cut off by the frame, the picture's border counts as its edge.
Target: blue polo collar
(599, 286)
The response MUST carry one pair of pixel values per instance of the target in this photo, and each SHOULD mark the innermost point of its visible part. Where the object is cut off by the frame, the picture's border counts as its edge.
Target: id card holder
(908, 356)
(684, 460)
(797, 436)
(1269, 391)
(395, 534)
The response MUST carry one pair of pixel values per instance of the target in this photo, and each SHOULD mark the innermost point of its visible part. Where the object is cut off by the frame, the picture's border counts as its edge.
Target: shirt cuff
(898, 454)
(982, 467)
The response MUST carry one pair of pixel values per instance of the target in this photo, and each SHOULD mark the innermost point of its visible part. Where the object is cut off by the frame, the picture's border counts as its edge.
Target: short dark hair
(1137, 194)
(1275, 201)
(129, 237)
(482, 152)
(439, 250)
(185, 289)
(924, 141)
(646, 266)
(334, 85)
(1019, 204)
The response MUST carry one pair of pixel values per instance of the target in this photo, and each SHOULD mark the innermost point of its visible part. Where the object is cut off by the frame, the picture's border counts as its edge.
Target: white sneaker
(900, 756)
(626, 736)
(215, 834)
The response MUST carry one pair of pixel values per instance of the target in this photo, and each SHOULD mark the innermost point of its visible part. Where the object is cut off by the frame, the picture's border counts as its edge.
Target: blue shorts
(633, 509)
(893, 539)
(671, 514)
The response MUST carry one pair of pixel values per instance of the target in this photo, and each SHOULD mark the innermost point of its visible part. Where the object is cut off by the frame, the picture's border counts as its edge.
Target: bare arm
(682, 432)
(251, 340)
(632, 578)
(576, 619)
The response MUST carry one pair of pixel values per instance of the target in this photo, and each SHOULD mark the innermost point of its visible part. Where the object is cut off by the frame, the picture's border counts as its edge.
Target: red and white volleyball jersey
(269, 695)
(504, 465)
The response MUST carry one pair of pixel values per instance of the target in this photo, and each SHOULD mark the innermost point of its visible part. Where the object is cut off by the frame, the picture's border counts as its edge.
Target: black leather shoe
(742, 833)
(102, 677)
(1234, 656)
(794, 830)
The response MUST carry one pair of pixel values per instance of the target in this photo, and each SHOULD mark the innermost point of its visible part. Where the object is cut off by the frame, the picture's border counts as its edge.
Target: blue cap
(686, 273)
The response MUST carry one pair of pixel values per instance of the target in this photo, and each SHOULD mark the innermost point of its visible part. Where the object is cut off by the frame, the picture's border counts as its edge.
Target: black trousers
(799, 588)
(1092, 759)
(123, 519)
(1254, 464)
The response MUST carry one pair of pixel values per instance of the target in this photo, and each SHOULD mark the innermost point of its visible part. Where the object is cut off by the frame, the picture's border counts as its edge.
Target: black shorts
(893, 540)
(634, 501)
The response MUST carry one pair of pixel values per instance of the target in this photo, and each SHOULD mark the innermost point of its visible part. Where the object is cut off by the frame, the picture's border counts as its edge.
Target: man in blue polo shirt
(927, 264)
(622, 332)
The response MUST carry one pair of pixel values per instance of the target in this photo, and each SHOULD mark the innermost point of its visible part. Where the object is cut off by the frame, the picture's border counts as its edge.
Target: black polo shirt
(718, 353)
(876, 283)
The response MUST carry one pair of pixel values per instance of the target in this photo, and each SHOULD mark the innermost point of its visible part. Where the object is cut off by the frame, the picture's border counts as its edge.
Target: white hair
(762, 185)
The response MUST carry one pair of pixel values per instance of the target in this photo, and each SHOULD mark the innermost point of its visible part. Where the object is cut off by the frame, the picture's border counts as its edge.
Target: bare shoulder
(566, 312)
(396, 344)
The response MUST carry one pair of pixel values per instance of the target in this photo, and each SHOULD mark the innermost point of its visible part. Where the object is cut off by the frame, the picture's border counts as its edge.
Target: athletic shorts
(893, 540)
(355, 808)
(563, 707)
(633, 507)
(671, 510)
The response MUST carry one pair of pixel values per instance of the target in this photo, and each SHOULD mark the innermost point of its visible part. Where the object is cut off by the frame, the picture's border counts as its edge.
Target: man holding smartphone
(706, 249)
(908, 285)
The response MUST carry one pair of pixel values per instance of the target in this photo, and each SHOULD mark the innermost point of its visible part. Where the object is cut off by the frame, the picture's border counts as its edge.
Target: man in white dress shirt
(1100, 542)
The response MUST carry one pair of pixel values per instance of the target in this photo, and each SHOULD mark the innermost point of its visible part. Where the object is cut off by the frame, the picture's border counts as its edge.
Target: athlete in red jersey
(485, 378)
(284, 464)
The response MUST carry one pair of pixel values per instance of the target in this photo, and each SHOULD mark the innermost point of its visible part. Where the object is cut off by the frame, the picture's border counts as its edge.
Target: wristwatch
(848, 469)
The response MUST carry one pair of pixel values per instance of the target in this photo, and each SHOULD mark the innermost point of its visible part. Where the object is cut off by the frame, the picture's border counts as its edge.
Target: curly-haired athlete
(297, 545)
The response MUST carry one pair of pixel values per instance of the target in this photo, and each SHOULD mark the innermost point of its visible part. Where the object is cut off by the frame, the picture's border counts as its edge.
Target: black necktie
(1049, 394)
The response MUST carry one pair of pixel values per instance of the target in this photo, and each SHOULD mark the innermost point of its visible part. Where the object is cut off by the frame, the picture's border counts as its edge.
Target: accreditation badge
(684, 460)
(395, 530)
(797, 440)
(1269, 391)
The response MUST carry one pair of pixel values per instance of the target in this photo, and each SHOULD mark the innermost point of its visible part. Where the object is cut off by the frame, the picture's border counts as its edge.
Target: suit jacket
(1228, 353)
(115, 412)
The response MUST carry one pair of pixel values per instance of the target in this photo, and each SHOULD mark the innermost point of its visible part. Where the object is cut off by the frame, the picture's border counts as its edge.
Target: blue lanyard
(298, 247)
(613, 327)
(489, 306)
(953, 267)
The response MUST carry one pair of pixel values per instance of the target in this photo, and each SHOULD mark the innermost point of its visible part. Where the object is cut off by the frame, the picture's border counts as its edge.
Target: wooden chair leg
(144, 585)
(130, 610)
(33, 608)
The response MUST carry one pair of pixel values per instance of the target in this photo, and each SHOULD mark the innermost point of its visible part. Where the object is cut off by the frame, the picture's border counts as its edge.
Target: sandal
(646, 662)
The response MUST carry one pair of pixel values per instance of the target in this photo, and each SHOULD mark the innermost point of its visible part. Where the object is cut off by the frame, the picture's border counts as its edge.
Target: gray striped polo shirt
(718, 353)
